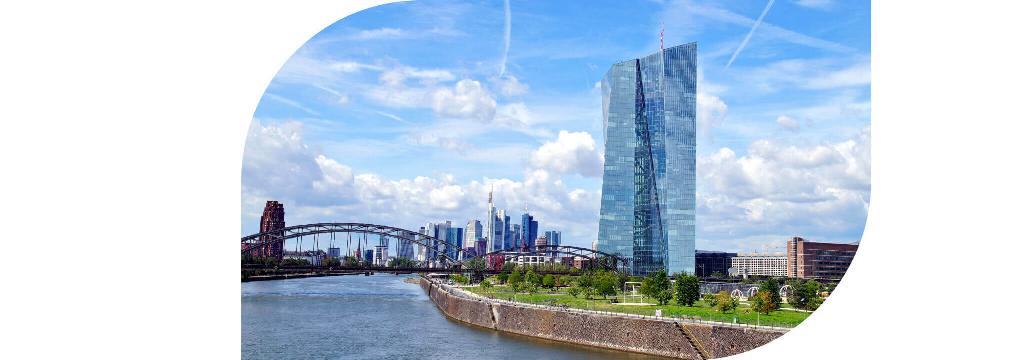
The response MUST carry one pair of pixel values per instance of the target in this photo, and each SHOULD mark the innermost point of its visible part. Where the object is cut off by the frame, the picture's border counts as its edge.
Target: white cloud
(817, 4)
(815, 74)
(509, 85)
(451, 143)
(819, 191)
(787, 122)
(570, 153)
(710, 112)
(468, 99)
(381, 33)
(278, 165)
(515, 115)
(856, 75)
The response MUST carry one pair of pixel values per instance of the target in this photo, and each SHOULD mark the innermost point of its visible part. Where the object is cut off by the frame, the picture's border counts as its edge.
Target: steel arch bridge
(260, 243)
(275, 238)
(597, 259)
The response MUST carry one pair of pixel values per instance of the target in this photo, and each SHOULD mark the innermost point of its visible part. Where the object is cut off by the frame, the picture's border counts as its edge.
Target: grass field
(702, 310)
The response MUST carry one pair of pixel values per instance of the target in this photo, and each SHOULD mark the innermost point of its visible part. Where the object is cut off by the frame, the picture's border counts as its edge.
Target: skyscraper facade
(647, 210)
(530, 228)
(473, 233)
(553, 237)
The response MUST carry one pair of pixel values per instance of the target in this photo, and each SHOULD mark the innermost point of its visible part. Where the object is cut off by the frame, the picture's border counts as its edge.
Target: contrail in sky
(507, 35)
(750, 34)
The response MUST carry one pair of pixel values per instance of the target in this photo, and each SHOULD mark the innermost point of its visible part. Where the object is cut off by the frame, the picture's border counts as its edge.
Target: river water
(376, 317)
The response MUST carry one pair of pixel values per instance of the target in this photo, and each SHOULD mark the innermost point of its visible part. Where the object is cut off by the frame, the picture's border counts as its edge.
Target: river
(376, 317)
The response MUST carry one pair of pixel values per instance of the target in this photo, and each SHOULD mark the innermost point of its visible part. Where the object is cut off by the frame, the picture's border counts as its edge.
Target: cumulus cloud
(278, 164)
(710, 112)
(467, 99)
(570, 153)
(784, 190)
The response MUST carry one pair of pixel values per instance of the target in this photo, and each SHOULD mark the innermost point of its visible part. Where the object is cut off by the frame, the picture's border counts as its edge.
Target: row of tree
(686, 290)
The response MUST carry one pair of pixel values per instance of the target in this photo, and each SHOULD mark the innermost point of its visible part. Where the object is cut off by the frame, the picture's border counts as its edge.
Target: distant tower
(272, 219)
(489, 231)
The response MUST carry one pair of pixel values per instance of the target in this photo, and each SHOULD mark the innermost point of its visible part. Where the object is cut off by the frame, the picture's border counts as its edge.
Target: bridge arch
(255, 242)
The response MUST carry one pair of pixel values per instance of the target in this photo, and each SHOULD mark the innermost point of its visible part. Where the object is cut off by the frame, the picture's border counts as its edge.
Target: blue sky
(407, 113)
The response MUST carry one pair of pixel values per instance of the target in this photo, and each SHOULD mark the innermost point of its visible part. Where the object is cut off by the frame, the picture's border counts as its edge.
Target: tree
(548, 281)
(687, 289)
(486, 285)
(658, 286)
(724, 302)
(585, 280)
(771, 287)
(530, 287)
(532, 278)
(574, 291)
(763, 302)
(459, 278)
(514, 278)
(331, 262)
(605, 284)
(804, 295)
(588, 293)
(557, 281)
(502, 277)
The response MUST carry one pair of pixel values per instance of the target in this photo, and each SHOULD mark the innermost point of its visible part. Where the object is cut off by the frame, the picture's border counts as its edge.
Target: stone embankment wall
(642, 334)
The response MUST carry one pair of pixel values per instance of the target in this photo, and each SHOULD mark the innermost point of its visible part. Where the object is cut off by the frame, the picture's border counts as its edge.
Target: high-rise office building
(505, 235)
(530, 229)
(473, 233)
(455, 237)
(553, 237)
(491, 227)
(647, 210)
(516, 236)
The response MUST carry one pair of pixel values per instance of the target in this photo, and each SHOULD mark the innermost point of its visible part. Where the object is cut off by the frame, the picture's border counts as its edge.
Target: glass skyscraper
(648, 203)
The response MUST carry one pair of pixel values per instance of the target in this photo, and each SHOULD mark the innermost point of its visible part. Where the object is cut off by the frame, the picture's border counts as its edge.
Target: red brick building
(818, 260)
(272, 219)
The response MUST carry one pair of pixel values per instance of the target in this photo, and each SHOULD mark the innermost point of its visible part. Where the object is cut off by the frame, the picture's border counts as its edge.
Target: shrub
(548, 281)
(574, 291)
(763, 302)
(724, 302)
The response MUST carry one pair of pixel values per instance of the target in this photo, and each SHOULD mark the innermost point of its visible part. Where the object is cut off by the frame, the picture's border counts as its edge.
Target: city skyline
(375, 125)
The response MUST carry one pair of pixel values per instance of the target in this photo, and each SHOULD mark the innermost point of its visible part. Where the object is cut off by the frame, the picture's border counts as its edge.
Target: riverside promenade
(663, 336)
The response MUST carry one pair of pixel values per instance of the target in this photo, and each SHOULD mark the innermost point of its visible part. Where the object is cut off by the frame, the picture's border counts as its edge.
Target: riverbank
(623, 332)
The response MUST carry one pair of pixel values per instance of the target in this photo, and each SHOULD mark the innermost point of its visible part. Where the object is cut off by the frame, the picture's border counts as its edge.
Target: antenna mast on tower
(662, 36)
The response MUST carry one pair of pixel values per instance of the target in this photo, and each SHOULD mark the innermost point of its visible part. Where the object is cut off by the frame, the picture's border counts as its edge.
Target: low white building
(759, 264)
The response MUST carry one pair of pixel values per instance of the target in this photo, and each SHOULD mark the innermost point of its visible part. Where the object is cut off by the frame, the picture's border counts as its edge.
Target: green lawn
(784, 318)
